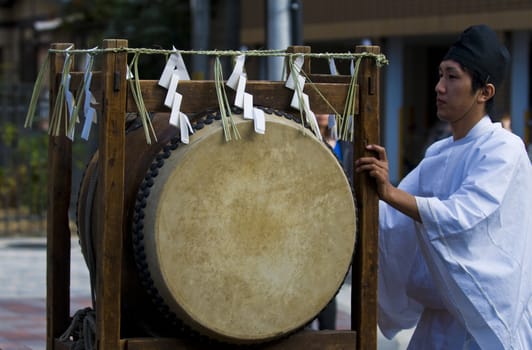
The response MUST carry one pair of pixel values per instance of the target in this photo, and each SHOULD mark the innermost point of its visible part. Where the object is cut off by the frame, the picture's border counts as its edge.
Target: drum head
(248, 240)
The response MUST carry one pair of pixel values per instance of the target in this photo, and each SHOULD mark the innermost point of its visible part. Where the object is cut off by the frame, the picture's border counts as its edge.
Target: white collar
(479, 129)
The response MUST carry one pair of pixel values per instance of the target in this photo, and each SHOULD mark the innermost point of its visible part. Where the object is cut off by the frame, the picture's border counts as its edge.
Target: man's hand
(377, 167)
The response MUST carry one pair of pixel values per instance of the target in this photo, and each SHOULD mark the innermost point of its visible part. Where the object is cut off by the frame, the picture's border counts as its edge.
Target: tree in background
(156, 24)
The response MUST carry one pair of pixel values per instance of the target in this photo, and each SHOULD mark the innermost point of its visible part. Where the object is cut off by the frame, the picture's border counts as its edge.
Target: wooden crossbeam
(324, 91)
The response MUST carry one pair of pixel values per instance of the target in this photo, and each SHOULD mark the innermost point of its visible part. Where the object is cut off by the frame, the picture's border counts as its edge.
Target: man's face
(454, 96)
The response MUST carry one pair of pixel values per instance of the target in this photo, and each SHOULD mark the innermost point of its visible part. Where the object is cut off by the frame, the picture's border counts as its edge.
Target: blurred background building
(413, 34)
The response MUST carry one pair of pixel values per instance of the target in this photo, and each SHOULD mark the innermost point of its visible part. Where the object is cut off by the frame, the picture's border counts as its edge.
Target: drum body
(243, 241)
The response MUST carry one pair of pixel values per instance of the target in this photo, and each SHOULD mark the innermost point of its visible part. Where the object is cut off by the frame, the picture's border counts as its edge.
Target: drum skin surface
(247, 241)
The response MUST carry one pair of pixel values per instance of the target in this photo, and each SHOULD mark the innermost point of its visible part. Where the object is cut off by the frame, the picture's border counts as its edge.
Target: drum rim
(137, 231)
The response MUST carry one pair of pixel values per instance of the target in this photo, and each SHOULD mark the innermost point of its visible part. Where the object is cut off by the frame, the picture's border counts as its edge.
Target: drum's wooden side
(140, 315)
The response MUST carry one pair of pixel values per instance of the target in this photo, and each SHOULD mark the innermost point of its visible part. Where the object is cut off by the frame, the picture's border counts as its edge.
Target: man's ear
(487, 92)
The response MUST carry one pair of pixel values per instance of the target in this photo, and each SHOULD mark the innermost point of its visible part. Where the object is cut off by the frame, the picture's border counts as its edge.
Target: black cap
(479, 50)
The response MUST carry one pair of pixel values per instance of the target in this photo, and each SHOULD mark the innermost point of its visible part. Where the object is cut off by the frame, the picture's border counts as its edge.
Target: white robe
(464, 275)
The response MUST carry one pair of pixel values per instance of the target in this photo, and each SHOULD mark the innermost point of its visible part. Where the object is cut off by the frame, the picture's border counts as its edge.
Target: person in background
(327, 125)
(342, 149)
(455, 238)
(327, 317)
(506, 121)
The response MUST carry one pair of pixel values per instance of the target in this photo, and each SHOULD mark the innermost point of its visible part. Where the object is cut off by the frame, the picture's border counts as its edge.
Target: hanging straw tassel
(134, 83)
(60, 103)
(345, 126)
(36, 92)
(228, 123)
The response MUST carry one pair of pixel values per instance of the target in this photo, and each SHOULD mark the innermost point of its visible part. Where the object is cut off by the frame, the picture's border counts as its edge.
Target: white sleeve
(397, 247)
(477, 242)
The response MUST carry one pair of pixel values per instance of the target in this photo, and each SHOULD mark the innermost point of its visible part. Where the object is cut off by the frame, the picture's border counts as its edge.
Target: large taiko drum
(243, 241)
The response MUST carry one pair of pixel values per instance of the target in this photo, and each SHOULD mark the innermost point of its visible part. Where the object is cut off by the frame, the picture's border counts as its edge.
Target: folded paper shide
(175, 71)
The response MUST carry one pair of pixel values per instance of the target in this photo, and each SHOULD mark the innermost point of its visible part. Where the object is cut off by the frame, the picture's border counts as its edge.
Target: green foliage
(8, 134)
(144, 23)
(24, 173)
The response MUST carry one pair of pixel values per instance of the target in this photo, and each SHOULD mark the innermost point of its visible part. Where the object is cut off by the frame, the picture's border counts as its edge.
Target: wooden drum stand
(111, 88)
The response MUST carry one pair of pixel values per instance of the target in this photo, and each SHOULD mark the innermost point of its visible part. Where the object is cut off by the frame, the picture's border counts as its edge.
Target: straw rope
(343, 120)
(380, 59)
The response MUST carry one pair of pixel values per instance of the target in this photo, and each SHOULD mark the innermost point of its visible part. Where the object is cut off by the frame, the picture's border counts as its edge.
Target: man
(456, 234)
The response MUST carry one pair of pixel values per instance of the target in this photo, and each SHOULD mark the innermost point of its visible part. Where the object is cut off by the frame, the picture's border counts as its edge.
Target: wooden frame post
(306, 62)
(110, 196)
(365, 261)
(57, 224)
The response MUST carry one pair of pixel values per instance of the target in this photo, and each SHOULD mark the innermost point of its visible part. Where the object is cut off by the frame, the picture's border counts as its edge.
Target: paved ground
(23, 288)
(23, 291)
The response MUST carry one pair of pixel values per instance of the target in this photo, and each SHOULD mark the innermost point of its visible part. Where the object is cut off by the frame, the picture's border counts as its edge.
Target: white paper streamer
(129, 73)
(69, 97)
(313, 122)
(296, 101)
(239, 95)
(181, 68)
(332, 66)
(175, 64)
(259, 121)
(298, 92)
(88, 111)
(185, 127)
(298, 64)
(248, 106)
(238, 70)
(176, 109)
(172, 88)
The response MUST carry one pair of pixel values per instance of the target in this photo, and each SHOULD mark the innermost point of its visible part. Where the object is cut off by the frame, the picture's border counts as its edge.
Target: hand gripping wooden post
(110, 87)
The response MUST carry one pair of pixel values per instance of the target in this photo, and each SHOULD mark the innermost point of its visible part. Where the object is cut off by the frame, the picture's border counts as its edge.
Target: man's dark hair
(476, 84)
